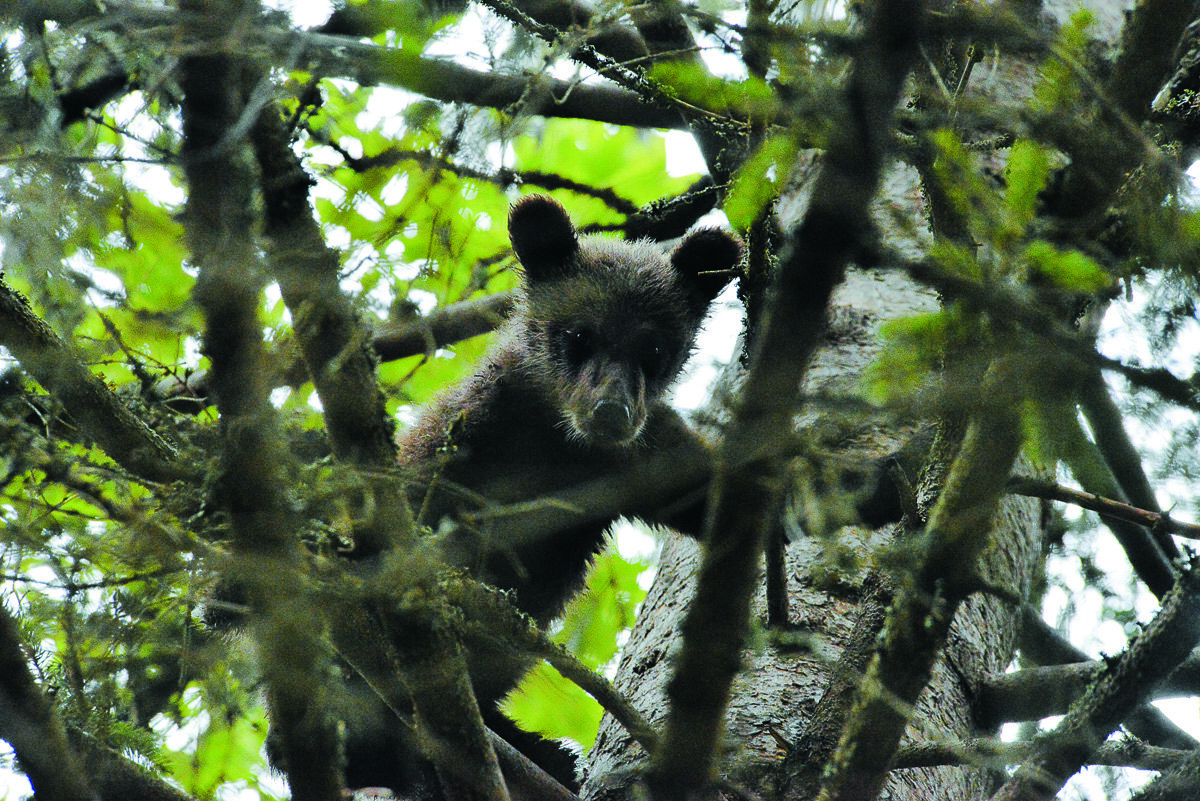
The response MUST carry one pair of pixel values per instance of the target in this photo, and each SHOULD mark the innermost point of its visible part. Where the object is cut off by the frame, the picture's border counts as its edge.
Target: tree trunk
(775, 698)
(778, 706)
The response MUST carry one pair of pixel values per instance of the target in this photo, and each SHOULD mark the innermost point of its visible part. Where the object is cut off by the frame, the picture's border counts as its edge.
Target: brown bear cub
(571, 392)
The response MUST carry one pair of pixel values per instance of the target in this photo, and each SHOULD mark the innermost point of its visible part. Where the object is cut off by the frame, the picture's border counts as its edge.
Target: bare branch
(1039, 488)
(1178, 782)
(1042, 645)
(369, 65)
(1125, 684)
(1039, 692)
(995, 755)
(442, 327)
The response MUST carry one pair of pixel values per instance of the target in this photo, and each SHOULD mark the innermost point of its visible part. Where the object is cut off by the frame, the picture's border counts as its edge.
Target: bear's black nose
(612, 420)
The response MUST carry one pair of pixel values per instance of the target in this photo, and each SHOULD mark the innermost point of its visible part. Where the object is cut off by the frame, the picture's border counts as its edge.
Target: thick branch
(1043, 645)
(370, 64)
(335, 343)
(438, 79)
(1178, 782)
(1143, 66)
(1125, 684)
(28, 723)
(919, 620)
(747, 490)
(83, 395)
(995, 755)
(449, 727)
(1039, 692)
(443, 326)
(269, 560)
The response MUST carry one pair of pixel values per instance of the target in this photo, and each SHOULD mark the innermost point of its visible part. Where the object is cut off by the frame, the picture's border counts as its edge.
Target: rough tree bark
(780, 694)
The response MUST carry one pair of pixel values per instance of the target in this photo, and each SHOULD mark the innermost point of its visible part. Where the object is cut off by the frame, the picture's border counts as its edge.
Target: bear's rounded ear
(543, 236)
(706, 260)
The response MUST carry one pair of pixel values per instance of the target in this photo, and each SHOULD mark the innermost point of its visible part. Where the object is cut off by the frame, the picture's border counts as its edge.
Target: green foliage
(1027, 171)
(1065, 269)
(630, 162)
(695, 85)
(108, 575)
(916, 348)
(593, 628)
(760, 179)
(1059, 87)
(228, 750)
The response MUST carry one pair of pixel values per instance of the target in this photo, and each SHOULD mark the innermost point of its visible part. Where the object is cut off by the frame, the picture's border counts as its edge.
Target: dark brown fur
(572, 391)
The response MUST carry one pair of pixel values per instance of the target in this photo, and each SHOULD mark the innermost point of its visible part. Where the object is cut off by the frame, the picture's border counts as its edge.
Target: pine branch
(1006, 303)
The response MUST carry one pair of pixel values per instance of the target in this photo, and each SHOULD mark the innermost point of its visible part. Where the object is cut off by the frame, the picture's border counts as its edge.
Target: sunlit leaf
(759, 180)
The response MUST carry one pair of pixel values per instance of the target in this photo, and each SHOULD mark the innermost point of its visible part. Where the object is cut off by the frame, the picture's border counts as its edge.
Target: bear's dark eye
(574, 346)
(653, 359)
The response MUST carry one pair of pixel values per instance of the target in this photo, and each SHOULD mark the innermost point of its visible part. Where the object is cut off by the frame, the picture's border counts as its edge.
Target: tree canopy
(957, 445)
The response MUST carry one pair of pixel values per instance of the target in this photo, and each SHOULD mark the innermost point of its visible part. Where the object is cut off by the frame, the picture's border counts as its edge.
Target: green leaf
(593, 623)
(1027, 172)
(758, 181)
(695, 85)
(1065, 269)
(228, 751)
(594, 620)
(546, 703)
(628, 161)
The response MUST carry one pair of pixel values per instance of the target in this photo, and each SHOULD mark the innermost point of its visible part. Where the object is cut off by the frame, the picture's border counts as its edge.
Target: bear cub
(571, 392)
